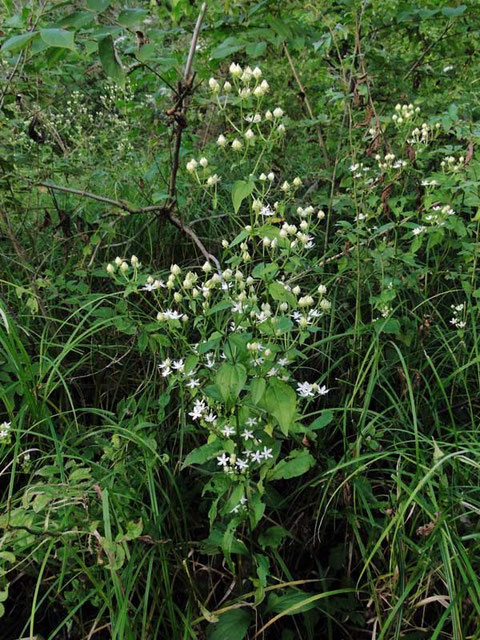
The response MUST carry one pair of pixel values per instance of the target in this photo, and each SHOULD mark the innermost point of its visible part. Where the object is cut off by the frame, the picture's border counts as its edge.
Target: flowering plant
(233, 331)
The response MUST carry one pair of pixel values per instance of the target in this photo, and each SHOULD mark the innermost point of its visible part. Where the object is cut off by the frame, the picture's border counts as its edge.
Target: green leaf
(231, 625)
(98, 5)
(230, 380)
(77, 19)
(278, 604)
(241, 190)
(454, 12)
(241, 237)
(227, 48)
(17, 43)
(256, 509)
(278, 292)
(297, 463)
(129, 17)
(257, 389)
(220, 306)
(281, 403)
(58, 38)
(272, 537)
(204, 453)
(322, 421)
(263, 269)
(256, 49)
(110, 61)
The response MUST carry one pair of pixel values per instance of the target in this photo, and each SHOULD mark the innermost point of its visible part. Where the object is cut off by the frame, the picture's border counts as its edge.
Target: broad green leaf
(204, 453)
(130, 17)
(241, 190)
(17, 43)
(263, 269)
(281, 402)
(454, 12)
(255, 49)
(257, 389)
(220, 306)
(263, 566)
(297, 463)
(98, 5)
(241, 237)
(58, 38)
(227, 48)
(77, 19)
(278, 292)
(230, 380)
(231, 625)
(278, 604)
(256, 509)
(322, 421)
(272, 537)
(109, 59)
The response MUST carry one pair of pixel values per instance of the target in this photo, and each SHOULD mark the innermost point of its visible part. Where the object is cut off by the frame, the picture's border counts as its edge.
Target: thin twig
(159, 209)
(427, 51)
(193, 44)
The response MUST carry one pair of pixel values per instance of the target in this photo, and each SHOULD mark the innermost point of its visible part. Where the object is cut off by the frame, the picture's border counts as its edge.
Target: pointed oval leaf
(17, 43)
(233, 624)
(241, 190)
(98, 5)
(58, 38)
(230, 380)
(110, 61)
(281, 403)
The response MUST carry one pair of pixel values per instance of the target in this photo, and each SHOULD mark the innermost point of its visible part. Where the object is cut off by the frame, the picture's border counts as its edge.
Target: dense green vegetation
(239, 315)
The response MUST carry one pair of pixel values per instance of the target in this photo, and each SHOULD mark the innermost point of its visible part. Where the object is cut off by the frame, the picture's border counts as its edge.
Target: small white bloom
(223, 460)
(257, 456)
(213, 84)
(305, 390)
(266, 453)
